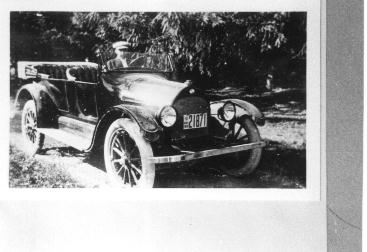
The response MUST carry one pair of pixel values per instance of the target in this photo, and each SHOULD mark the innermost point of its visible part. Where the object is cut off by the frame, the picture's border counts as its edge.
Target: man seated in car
(120, 60)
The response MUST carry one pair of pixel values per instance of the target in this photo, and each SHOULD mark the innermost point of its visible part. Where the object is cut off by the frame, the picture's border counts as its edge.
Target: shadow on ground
(280, 167)
(94, 159)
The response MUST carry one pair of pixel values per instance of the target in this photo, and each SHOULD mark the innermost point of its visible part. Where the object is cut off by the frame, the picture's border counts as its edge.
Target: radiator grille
(185, 106)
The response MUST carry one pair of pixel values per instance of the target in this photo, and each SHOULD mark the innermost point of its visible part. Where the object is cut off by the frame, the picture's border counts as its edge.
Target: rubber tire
(243, 167)
(145, 150)
(31, 148)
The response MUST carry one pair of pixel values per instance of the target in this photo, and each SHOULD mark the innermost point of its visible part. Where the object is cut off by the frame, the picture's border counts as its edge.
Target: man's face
(120, 52)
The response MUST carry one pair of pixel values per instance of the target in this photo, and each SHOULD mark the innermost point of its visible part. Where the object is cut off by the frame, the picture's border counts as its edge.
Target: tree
(209, 47)
(39, 36)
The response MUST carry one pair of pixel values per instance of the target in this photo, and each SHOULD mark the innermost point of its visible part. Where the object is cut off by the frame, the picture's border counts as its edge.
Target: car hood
(144, 88)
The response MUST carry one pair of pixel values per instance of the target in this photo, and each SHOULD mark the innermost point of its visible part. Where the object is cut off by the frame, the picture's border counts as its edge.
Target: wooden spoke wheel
(33, 140)
(126, 155)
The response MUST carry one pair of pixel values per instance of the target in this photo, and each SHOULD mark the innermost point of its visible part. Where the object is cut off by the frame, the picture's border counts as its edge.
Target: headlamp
(228, 111)
(168, 116)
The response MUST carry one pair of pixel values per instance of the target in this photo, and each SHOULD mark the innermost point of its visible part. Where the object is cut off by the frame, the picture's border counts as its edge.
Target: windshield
(133, 61)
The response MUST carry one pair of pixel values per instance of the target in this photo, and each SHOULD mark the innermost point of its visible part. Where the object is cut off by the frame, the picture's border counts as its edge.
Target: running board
(76, 127)
(71, 131)
(68, 138)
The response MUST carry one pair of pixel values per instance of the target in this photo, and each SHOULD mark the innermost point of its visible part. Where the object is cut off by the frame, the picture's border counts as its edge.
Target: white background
(170, 219)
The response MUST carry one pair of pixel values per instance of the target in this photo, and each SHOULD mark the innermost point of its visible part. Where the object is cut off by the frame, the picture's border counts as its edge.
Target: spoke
(118, 142)
(31, 117)
(129, 148)
(118, 160)
(134, 176)
(29, 122)
(123, 176)
(118, 152)
(241, 138)
(231, 127)
(128, 176)
(135, 168)
(118, 172)
(131, 151)
(238, 132)
(124, 139)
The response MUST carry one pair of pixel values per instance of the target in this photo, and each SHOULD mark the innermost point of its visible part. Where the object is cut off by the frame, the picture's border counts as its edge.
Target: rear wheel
(240, 131)
(33, 139)
(126, 155)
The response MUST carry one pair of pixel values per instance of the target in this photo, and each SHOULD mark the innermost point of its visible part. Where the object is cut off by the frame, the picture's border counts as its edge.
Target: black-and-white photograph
(182, 126)
(158, 99)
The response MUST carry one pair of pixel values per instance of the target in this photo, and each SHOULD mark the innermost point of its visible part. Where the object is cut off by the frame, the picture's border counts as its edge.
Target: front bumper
(187, 156)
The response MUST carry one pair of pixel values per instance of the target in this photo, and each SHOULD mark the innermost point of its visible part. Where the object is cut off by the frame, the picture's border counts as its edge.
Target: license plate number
(194, 121)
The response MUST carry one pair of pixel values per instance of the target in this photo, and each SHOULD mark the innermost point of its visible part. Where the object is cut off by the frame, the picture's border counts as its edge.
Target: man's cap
(121, 45)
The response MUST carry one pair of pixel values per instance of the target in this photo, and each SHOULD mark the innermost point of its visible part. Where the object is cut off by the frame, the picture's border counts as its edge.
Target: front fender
(242, 108)
(143, 116)
(45, 105)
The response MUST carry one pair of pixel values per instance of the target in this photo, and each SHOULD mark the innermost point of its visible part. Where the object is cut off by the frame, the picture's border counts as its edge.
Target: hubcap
(125, 158)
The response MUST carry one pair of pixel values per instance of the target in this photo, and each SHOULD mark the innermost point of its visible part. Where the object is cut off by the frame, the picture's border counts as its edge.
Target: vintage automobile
(135, 115)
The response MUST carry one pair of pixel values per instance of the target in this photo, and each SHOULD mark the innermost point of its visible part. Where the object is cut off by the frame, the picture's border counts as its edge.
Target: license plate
(194, 121)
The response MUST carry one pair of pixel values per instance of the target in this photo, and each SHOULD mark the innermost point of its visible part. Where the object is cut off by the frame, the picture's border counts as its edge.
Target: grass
(28, 172)
(284, 158)
(288, 134)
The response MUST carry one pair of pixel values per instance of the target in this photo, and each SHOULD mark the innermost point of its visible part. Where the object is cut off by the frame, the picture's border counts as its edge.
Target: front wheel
(127, 154)
(33, 139)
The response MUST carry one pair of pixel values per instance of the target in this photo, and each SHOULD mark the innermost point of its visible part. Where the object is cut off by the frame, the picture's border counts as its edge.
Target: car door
(81, 92)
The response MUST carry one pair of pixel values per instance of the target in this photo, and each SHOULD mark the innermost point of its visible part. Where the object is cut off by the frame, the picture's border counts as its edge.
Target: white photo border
(315, 131)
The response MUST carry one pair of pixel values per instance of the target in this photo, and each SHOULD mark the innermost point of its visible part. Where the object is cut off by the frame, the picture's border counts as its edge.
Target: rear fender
(45, 103)
(242, 108)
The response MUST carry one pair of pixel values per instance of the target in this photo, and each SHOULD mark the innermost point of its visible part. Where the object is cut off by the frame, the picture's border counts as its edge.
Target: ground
(283, 164)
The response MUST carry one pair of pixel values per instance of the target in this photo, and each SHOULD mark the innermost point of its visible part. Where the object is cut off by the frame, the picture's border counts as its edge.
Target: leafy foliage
(210, 47)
